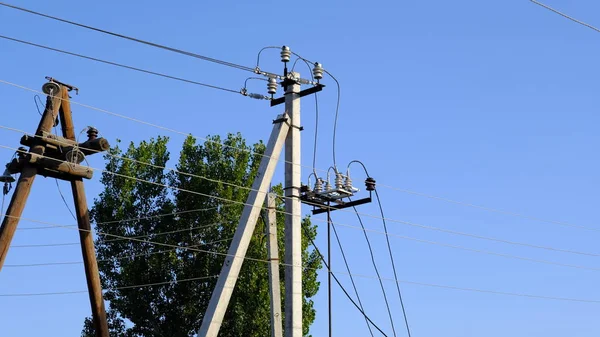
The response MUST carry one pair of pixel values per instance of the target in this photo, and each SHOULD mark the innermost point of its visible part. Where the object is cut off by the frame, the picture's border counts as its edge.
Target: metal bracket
(302, 93)
(324, 209)
(68, 86)
(280, 120)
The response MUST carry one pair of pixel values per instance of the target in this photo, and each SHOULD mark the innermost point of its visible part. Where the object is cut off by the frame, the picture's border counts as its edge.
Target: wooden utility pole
(85, 230)
(59, 157)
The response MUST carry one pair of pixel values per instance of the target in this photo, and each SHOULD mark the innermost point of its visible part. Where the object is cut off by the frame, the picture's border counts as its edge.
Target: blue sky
(492, 103)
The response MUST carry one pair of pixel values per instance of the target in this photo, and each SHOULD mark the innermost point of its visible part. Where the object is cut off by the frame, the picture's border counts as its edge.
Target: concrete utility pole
(213, 318)
(58, 157)
(287, 130)
(272, 248)
(293, 221)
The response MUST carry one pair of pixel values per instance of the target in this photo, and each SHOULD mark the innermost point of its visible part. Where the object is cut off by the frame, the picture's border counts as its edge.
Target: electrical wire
(389, 246)
(488, 209)
(477, 290)
(368, 215)
(314, 161)
(45, 244)
(358, 307)
(333, 273)
(350, 273)
(203, 177)
(64, 200)
(37, 98)
(46, 264)
(337, 107)
(337, 110)
(313, 168)
(260, 52)
(393, 265)
(134, 237)
(339, 224)
(382, 185)
(566, 16)
(471, 249)
(157, 126)
(136, 218)
(119, 64)
(112, 289)
(179, 51)
(342, 225)
(376, 270)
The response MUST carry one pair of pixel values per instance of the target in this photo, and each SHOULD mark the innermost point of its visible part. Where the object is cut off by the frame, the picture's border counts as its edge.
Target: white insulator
(319, 185)
(327, 186)
(285, 54)
(318, 71)
(272, 86)
(348, 183)
(339, 181)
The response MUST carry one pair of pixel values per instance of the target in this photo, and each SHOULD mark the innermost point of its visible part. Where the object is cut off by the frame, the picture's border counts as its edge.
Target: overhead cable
(120, 65)
(566, 16)
(481, 237)
(125, 256)
(179, 51)
(339, 273)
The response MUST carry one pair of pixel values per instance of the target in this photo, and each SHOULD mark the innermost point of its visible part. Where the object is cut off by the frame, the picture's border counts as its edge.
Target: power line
(119, 65)
(376, 270)
(358, 307)
(341, 225)
(337, 110)
(393, 264)
(44, 244)
(389, 246)
(488, 209)
(349, 273)
(337, 107)
(112, 289)
(333, 273)
(134, 237)
(313, 168)
(471, 249)
(136, 218)
(64, 200)
(566, 16)
(179, 51)
(160, 127)
(46, 264)
(368, 215)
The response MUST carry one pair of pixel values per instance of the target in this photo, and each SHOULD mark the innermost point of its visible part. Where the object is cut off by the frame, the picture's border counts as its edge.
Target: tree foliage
(201, 213)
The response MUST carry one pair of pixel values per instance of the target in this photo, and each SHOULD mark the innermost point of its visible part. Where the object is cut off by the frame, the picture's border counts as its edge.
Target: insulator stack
(348, 183)
(327, 186)
(92, 133)
(370, 183)
(339, 181)
(272, 86)
(318, 71)
(285, 54)
(319, 185)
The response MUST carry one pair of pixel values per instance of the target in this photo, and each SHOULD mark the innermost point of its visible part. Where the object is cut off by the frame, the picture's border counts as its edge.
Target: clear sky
(488, 102)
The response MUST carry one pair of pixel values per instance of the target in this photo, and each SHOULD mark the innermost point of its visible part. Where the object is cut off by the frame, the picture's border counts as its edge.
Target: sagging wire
(350, 273)
(388, 245)
(312, 242)
(244, 90)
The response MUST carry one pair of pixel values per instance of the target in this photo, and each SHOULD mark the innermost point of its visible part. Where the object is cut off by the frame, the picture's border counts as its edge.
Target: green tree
(171, 304)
